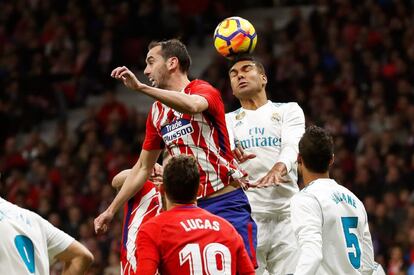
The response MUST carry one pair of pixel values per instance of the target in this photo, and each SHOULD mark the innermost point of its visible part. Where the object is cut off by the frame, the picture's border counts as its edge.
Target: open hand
(274, 177)
(240, 155)
(127, 77)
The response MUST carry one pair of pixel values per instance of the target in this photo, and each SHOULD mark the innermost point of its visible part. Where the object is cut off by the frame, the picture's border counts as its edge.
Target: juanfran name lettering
(176, 129)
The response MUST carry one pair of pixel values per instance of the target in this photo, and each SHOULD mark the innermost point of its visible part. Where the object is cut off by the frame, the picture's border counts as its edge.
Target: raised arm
(133, 183)
(181, 102)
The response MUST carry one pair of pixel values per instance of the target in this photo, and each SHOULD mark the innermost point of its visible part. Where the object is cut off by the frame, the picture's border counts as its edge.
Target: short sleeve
(148, 255)
(211, 94)
(152, 141)
(57, 240)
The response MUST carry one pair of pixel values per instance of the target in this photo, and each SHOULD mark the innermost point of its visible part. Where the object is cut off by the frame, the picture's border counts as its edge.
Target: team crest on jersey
(239, 123)
(176, 129)
(275, 117)
(240, 115)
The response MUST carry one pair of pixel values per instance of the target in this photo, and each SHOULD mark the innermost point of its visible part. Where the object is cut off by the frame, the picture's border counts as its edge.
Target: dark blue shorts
(235, 208)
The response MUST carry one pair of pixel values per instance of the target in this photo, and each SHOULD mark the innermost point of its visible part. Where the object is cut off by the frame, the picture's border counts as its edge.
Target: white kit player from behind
(30, 244)
(329, 221)
(265, 136)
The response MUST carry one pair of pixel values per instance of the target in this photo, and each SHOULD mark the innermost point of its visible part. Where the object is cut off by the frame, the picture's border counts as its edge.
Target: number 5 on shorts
(352, 240)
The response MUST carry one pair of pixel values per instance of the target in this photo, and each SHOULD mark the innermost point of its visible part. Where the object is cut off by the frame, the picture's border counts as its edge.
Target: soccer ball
(234, 35)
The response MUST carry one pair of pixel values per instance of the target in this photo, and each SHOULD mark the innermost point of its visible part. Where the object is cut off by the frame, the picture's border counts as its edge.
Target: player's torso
(260, 132)
(202, 136)
(197, 243)
(139, 209)
(23, 248)
(344, 219)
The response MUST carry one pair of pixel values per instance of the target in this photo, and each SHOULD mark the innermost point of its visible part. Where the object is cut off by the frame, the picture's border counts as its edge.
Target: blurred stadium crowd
(350, 66)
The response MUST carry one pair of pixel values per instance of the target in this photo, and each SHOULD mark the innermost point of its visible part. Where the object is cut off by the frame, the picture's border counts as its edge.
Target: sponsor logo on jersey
(257, 138)
(176, 130)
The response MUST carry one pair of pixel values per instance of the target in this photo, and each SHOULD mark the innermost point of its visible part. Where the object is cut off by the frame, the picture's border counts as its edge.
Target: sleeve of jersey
(152, 141)
(292, 131)
(230, 130)
(306, 216)
(367, 264)
(211, 94)
(57, 240)
(244, 263)
(148, 255)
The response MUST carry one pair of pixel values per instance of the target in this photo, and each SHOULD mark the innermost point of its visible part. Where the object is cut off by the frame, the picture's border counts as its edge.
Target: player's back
(345, 233)
(24, 241)
(190, 240)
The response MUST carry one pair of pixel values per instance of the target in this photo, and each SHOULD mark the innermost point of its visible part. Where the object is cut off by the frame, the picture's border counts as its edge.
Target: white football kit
(272, 133)
(331, 227)
(29, 243)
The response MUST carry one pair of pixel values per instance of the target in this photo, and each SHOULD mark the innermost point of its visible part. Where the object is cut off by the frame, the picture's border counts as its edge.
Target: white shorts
(277, 250)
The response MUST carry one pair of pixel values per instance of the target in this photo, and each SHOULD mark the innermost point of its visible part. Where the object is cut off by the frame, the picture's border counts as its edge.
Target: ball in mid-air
(233, 36)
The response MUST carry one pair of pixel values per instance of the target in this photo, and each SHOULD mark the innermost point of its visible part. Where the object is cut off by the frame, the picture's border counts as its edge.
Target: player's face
(156, 69)
(246, 80)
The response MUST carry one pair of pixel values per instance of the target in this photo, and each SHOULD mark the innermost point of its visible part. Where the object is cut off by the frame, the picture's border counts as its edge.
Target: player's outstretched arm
(273, 178)
(181, 102)
(76, 258)
(133, 183)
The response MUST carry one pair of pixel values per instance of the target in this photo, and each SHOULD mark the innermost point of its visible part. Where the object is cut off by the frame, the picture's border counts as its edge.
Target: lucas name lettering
(193, 224)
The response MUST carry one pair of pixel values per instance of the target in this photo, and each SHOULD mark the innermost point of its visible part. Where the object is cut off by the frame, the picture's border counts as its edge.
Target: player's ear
(264, 79)
(299, 159)
(332, 160)
(172, 63)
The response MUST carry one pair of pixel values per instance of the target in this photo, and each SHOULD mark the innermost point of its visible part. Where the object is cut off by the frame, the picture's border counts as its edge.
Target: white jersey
(272, 133)
(29, 243)
(331, 227)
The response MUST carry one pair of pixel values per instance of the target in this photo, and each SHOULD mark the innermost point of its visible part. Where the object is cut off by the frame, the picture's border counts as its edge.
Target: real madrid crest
(240, 115)
(275, 117)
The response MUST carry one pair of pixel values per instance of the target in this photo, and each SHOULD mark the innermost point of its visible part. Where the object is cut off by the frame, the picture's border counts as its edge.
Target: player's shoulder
(286, 105)
(200, 84)
(232, 114)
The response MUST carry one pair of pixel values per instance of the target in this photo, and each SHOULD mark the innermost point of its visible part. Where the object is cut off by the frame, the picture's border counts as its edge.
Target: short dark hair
(174, 48)
(247, 57)
(181, 179)
(316, 149)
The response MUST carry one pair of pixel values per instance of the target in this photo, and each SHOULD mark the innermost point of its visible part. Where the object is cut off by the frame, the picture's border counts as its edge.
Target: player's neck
(177, 82)
(170, 205)
(254, 102)
(309, 177)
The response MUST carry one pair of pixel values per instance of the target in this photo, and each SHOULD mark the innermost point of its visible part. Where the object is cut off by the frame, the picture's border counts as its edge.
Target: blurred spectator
(349, 65)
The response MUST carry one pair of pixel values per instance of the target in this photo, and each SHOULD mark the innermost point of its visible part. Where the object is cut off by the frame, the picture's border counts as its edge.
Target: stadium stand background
(67, 128)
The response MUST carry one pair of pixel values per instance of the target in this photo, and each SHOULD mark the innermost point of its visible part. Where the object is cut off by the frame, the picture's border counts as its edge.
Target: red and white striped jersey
(203, 135)
(138, 210)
